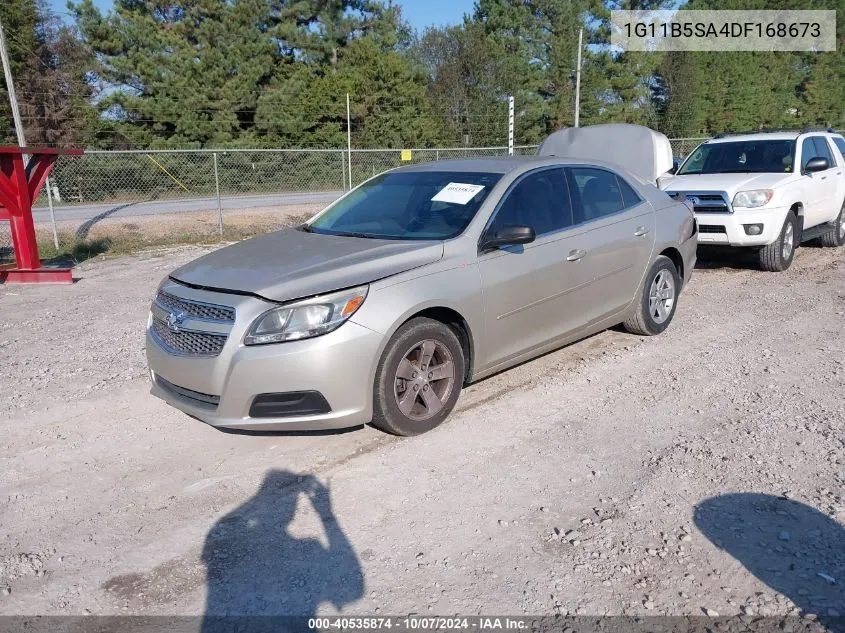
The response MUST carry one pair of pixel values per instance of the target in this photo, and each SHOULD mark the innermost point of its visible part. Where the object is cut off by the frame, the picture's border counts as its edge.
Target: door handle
(575, 255)
(641, 230)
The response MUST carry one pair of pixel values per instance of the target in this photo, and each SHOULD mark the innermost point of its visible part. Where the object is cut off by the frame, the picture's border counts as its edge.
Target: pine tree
(54, 75)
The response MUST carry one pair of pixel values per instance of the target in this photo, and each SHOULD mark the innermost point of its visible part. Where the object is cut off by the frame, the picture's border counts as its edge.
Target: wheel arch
(456, 322)
(797, 208)
(675, 255)
(460, 322)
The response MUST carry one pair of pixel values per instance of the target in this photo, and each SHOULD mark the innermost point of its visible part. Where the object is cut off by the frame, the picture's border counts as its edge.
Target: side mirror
(676, 164)
(816, 164)
(509, 235)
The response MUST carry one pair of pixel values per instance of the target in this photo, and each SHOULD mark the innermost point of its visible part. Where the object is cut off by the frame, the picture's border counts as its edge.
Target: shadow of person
(257, 571)
(795, 549)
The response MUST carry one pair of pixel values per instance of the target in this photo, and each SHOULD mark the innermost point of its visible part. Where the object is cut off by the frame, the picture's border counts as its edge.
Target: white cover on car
(640, 150)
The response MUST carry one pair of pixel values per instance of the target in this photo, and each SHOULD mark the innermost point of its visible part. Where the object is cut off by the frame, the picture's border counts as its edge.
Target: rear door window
(597, 193)
(840, 144)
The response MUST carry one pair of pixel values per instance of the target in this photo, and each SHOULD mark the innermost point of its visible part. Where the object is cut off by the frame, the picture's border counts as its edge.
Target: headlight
(306, 318)
(751, 199)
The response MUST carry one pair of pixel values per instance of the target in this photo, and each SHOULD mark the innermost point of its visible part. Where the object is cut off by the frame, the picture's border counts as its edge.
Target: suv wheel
(836, 235)
(777, 256)
(418, 379)
(658, 300)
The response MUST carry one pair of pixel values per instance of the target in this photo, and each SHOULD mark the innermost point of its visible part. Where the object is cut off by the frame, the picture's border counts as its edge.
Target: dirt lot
(701, 471)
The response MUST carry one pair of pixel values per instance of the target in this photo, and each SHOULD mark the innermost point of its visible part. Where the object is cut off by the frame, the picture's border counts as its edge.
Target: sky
(420, 13)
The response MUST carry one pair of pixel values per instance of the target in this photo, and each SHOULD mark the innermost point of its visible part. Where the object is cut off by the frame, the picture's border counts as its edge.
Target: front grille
(703, 202)
(195, 309)
(711, 228)
(197, 398)
(186, 342)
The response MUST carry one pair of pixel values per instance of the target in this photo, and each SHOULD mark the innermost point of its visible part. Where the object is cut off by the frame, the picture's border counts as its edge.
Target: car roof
(507, 164)
(762, 136)
(490, 164)
(785, 135)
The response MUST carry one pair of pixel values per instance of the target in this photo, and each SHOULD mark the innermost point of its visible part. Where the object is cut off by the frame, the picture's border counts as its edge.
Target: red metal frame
(19, 187)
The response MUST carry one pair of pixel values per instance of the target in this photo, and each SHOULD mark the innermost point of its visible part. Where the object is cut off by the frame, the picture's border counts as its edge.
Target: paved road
(157, 207)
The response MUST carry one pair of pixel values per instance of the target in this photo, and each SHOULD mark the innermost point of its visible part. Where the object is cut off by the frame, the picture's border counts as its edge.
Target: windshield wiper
(306, 228)
(354, 234)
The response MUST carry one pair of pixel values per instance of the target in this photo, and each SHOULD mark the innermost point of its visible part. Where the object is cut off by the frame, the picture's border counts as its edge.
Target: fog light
(753, 229)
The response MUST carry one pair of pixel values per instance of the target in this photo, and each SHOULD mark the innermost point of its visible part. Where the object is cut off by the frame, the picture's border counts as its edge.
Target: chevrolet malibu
(422, 280)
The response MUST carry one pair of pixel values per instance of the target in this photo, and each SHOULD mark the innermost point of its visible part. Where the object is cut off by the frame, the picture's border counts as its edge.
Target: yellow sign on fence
(406, 154)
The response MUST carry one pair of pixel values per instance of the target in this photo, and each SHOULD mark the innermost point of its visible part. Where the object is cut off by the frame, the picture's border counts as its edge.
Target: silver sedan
(414, 284)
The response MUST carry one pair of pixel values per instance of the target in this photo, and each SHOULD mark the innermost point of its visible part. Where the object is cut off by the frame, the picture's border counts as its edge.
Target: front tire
(658, 300)
(418, 379)
(777, 256)
(836, 236)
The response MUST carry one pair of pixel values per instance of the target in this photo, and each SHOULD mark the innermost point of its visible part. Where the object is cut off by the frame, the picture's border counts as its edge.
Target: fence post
(52, 214)
(349, 139)
(217, 189)
(510, 126)
(342, 171)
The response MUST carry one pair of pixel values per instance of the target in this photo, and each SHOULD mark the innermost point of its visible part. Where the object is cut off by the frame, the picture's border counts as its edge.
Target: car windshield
(408, 205)
(763, 156)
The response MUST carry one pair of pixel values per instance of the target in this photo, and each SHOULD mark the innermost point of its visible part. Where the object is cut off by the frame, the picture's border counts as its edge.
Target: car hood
(730, 183)
(291, 264)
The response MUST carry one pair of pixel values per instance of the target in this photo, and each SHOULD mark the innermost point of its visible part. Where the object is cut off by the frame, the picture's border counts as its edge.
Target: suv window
(840, 144)
(755, 156)
(540, 200)
(808, 151)
(597, 193)
(823, 150)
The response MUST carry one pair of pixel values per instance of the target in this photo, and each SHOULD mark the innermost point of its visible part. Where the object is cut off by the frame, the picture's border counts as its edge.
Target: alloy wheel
(424, 380)
(661, 296)
(788, 241)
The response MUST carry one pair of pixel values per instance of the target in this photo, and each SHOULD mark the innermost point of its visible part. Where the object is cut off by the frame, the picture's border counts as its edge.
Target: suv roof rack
(771, 130)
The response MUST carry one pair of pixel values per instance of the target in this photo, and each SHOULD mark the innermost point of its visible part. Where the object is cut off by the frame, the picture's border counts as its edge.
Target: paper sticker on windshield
(457, 193)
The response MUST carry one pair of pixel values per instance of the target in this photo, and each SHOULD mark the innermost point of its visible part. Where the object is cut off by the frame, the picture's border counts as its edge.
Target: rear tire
(418, 379)
(658, 300)
(836, 236)
(777, 256)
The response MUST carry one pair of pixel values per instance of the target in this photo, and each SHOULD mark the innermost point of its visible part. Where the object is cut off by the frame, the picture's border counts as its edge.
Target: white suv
(768, 190)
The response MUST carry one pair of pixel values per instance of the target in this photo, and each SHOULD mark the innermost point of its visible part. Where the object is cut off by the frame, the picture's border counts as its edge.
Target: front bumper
(220, 390)
(728, 229)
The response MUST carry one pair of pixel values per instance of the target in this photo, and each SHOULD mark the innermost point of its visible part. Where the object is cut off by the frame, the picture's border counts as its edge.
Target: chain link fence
(136, 176)
(100, 176)
(125, 200)
(6, 251)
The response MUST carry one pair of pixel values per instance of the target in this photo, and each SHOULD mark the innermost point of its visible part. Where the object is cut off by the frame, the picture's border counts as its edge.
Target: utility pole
(578, 79)
(10, 86)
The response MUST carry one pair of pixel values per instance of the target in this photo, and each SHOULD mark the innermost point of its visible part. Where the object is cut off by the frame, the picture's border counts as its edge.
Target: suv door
(616, 227)
(820, 187)
(837, 150)
(530, 291)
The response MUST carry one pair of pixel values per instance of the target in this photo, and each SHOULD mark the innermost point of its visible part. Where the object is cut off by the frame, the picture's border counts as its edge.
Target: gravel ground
(698, 472)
